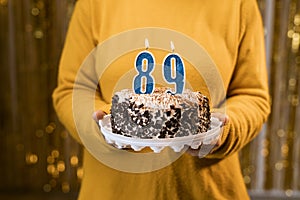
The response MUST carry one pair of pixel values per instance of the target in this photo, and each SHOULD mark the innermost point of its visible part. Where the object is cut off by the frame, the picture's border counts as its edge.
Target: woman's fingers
(98, 115)
(209, 148)
(222, 117)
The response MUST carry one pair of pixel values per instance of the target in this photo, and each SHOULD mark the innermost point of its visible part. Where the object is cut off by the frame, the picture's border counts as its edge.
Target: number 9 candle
(174, 71)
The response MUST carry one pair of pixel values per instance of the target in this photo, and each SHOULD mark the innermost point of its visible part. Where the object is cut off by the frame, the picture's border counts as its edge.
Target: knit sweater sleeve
(247, 102)
(78, 45)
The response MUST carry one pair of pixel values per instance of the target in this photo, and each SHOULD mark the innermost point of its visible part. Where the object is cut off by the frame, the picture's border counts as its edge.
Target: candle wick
(146, 44)
(172, 46)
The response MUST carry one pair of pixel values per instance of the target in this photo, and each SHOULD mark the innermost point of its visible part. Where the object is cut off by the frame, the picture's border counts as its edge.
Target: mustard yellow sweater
(229, 38)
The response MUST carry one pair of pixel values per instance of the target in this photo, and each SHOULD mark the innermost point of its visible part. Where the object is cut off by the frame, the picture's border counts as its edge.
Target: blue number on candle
(138, 83)
(176, 75)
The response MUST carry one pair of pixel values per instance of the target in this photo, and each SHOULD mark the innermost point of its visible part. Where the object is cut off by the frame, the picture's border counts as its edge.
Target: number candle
(174, 71)
(144, 64)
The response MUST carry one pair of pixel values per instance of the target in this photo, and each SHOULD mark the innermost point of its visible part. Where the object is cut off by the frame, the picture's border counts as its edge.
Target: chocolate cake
(160, 114)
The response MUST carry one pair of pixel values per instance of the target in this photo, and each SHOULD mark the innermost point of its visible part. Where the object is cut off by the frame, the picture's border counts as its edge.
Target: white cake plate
(177, 144)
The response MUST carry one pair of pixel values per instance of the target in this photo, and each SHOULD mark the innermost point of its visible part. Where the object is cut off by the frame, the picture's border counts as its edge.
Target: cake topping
(160, 114)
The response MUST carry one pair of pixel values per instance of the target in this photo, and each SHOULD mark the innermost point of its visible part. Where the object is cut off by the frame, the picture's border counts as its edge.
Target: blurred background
(39, 160)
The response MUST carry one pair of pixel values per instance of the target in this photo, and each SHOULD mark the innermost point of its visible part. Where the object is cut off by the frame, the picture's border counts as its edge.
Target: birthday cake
(160, 114)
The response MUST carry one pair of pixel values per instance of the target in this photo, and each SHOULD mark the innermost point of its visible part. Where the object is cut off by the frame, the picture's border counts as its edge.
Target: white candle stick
(146, 43)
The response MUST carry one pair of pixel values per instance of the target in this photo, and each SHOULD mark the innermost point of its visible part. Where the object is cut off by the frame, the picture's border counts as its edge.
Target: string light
(74, 161)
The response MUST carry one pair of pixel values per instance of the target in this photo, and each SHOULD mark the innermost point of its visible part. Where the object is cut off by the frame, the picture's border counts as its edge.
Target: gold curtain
(36, 153)
(271, 163)
(38, 156)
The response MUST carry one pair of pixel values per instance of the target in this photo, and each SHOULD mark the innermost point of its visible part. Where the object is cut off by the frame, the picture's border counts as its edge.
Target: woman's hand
(98, 115)
(209, 148)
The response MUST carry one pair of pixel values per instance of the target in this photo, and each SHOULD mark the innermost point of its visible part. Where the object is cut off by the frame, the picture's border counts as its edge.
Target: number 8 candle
(144, 64)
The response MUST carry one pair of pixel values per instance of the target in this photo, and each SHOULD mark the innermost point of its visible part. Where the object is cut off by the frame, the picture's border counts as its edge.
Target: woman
(231, 35)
